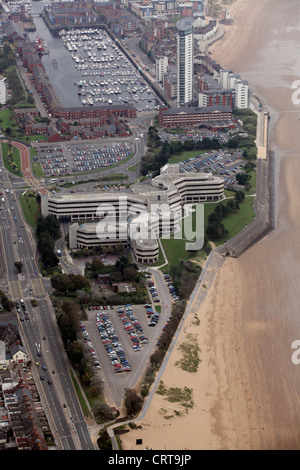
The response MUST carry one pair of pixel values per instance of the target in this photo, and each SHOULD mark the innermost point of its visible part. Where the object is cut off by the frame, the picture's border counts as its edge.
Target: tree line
(47, 232)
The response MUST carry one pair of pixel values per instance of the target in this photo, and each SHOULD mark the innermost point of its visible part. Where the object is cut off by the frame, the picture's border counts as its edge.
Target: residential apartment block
(229, 80)
(161, 66)
(185, 61)
(71, 14)
(148, 9)
(211, 92)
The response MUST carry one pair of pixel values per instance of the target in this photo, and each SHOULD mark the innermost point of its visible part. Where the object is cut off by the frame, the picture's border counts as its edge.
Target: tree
(216, 231)
(130, 274)
(239, 196)
(133, 402)
(69, 282)
(232, 205)
(61, 282)
(47, 231)
(7, 304)
(49, 259)
(242, 178)
(68, 332)
(103, 411)
(19, 266)
(75, 353)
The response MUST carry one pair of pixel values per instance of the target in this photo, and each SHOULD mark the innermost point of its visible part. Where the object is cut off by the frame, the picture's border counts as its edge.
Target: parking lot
(221, 162)
(119, 340)
(224, 163)
(196, 136)
(61, 160)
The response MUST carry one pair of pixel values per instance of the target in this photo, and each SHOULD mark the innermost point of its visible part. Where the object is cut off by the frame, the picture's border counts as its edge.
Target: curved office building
(136, 216)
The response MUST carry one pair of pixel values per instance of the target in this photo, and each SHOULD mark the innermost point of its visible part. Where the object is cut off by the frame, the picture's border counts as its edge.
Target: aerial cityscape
(148, 241)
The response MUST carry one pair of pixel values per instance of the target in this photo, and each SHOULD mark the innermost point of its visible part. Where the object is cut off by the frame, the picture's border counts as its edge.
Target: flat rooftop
(185, 23)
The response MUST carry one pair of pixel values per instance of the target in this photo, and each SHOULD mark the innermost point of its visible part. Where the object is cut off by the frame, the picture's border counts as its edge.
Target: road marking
(37, 287)
(15, 289)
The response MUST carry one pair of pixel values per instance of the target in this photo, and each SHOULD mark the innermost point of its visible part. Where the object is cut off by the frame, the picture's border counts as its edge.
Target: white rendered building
(161, 67)
(137, 216)
(229, 80)
(3, 91)
(242, 93)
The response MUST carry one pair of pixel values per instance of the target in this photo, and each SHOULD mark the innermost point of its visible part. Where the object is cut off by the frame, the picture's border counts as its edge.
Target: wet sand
(246, 391)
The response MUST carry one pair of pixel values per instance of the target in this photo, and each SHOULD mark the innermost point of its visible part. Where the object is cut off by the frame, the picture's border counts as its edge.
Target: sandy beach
(246, 391)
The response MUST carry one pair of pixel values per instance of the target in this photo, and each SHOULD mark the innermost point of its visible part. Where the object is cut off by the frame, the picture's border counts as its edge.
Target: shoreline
(233, 408)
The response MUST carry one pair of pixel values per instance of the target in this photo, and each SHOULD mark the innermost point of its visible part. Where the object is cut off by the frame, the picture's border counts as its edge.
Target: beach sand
(246, 391)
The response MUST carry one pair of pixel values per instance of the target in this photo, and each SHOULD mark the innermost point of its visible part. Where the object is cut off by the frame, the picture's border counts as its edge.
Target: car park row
(111, 342)
(221, 162)
(115, 351)
(152, 315)
(171, 287)
(89, 346)
(56, 161)
(132, 327)
(153, 291)
(220, 136)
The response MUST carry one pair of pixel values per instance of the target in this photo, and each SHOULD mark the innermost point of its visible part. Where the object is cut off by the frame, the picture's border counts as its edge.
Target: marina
(86, 67)
(108, 77)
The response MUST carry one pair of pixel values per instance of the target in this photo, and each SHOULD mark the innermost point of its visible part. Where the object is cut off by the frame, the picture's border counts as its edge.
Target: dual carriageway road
(56, 388)
(71, 427)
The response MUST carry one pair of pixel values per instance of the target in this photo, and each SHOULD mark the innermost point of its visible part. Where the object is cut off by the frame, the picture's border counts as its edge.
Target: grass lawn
(134, 168)
(6, 119)
(161, 259)
(181, 157)
(234, 223)
(12, 163)
(30, 208)
(80, 396)
(36, 166)
(175, 250)
(252, 181)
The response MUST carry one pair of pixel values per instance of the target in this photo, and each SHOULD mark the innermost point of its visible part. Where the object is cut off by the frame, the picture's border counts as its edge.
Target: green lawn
(252, 181)
(36, 166)
(234, 223)
(30, 207)
(6, 119)
(11, 159)
(175, 250)
(181, 157)
(161, 259)
(134, 168)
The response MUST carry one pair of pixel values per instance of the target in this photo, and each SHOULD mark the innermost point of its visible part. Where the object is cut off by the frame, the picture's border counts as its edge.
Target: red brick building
(213, 117)
(77, 113)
